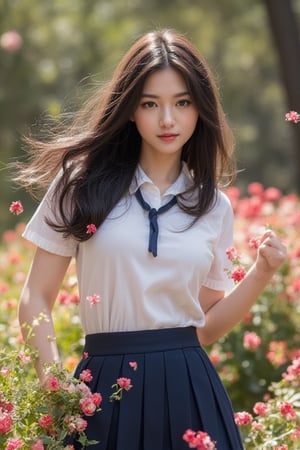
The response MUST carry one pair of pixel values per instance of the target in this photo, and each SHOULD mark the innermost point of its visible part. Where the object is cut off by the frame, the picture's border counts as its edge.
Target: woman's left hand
(271, 253)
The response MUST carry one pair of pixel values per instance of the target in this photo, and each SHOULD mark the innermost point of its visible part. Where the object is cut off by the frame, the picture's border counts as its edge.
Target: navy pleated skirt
(174, 388)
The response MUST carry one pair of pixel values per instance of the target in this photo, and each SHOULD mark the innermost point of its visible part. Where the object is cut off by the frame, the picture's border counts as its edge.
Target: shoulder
(222, 202)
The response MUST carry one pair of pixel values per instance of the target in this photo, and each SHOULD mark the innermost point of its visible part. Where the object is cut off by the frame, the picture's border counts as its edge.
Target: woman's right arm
(38, 296)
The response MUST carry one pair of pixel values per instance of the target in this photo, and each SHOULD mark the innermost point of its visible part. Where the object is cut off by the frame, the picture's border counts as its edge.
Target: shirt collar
(183, 182)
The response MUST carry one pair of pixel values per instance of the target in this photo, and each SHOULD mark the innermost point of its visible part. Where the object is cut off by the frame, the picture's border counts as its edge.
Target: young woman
(136, 200)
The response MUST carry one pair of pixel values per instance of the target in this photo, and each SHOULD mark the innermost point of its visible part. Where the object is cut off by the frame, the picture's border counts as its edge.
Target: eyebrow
(180, 94)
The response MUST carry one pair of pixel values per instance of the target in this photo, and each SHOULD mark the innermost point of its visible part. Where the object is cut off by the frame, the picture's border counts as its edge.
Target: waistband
(124, 342)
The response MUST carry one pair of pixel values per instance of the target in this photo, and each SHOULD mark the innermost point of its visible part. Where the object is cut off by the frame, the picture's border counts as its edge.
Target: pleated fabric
(175, 387)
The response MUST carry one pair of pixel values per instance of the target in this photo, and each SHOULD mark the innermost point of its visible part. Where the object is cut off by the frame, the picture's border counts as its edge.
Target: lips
(168, 137)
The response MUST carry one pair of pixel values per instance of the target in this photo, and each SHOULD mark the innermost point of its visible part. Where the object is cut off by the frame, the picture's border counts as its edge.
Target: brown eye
(149, 104)
(184, 102)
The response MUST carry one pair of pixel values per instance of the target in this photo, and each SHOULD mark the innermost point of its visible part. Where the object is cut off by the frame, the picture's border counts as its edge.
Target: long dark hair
(99, 152)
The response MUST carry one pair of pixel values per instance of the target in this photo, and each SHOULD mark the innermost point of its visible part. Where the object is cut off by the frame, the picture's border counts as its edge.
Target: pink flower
(87, 405)
(251, 340)
(96, 398)
(243, 418)
(46, 421)
(16, 207)
(6, 423)
(25, 358)
(233, 193)
(83, 389)
(199, 440)
(11, 41)
(124, 383)
(133, 365)
(293, 370)
(277, 354)
(256, 426)
(260, 408)
(254, 242)
(272, 194)
(287, 410)
(93, 299)
(91, 228)
(80, 424)
(255, 188)
(86, 376)
(292, 116)
(6, 406)
(295, 435)
(238, 274)
(38, 445)
(52, 384)
(5, 371)
(75, 423)
(232, 254)
(14, 443)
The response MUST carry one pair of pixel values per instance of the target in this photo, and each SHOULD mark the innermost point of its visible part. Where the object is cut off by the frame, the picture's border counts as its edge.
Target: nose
(167, 118)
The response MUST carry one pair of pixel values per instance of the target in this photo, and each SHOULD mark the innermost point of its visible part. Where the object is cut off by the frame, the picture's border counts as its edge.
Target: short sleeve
(43, 235)
(218, 277)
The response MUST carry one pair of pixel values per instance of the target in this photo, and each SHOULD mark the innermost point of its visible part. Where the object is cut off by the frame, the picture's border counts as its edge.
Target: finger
(267, 234)
(273, 248)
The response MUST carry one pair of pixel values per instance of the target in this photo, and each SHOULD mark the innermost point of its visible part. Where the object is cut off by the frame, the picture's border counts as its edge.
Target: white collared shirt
(139, 291)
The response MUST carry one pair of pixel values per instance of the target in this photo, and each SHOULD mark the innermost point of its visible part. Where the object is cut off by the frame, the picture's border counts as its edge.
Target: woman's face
(166, 115)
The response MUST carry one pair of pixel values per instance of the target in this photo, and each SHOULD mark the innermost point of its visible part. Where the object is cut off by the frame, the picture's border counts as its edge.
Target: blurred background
(52, 52)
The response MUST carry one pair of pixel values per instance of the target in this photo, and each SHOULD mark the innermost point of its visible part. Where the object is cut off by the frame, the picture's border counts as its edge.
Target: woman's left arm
(224, 312)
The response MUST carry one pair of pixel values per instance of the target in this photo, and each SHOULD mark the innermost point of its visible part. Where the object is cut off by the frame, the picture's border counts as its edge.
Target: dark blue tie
(153, 213)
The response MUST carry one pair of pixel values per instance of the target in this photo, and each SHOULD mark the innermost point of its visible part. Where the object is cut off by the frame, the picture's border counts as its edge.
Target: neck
(163, 174)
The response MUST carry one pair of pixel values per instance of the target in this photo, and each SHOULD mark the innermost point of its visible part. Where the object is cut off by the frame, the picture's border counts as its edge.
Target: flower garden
(259, 361)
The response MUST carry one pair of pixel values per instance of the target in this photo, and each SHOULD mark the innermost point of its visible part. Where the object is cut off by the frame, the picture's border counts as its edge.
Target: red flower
(46, 421)
(6, 406)
(91, 228)
(6, 423)
(16, 207)
(287, 410)
(238, 274)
